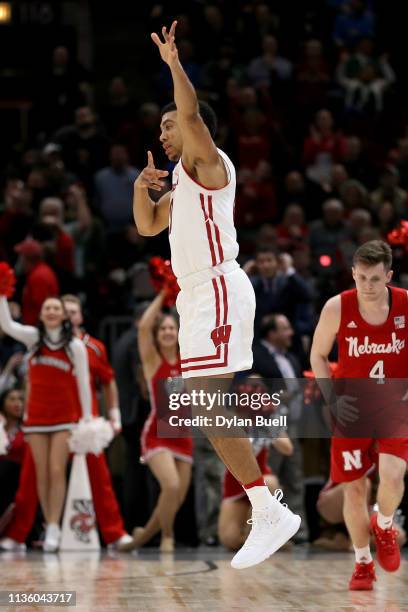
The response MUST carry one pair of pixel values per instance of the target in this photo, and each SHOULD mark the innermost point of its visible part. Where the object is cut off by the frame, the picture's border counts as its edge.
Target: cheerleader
(58, 390)
(169, 459)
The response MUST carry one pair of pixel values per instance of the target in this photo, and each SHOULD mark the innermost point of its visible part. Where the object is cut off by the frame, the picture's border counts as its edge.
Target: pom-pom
(91, 436)
(4, 441)
(7, 280)
(163, 278)
(399, 236)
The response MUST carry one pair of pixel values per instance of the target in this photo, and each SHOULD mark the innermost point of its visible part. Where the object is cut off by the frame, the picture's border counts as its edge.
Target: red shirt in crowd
(41, 283)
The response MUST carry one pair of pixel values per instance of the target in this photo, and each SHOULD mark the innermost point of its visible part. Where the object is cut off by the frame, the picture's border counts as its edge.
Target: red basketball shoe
(363, 577)
(388, 552)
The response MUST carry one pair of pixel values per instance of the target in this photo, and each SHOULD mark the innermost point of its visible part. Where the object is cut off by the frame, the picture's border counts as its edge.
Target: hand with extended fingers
(150, 177)
(168, 49)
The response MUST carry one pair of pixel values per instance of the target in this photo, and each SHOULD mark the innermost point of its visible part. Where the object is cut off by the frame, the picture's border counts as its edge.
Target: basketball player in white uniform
(216, 303)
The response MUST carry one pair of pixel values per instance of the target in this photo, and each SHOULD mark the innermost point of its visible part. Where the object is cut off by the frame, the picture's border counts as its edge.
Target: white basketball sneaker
(12, 545)
(52, 538)
(272, 527)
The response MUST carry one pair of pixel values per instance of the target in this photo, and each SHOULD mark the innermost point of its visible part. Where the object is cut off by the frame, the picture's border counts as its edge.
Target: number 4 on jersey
(377, 371)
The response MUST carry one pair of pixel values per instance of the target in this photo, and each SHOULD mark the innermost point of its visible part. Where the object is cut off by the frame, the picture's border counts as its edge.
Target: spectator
(16, 217)
(274, 360)
(269, 67)
(277, 286)
(390, 191)
(338, 176)
(323, 147)
(328, 232)
(350, 66)
(143, 135)
(11, 374)
(52, 213)
(353, 194)
(65, 87)
(401, 161)
(293, 231)
(357, 163)
(114, 189)
(87, 234)
(365, 93)
(312, 77)
(84, 145)
(11, 414)
(40, 280)
(120, 109)
(356, 23)
(256, 200)
(58, 177)
(387, 218)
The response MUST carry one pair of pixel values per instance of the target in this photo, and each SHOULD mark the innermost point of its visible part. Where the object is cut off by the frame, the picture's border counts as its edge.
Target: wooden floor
(201, 580)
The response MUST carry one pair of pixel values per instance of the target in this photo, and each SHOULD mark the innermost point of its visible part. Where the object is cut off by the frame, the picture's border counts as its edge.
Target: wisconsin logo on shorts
(221, 335)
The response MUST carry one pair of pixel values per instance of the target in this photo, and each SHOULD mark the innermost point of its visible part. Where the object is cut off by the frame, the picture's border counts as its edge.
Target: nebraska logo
(84, 520)
(352, 460)
(368, 348)
(221, 335)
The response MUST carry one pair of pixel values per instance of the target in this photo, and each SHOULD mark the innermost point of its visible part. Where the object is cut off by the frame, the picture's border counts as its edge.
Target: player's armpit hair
(207, 114)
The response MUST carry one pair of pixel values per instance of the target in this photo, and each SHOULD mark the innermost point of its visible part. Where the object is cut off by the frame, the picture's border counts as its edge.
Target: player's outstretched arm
(198, 145)
(150, 217)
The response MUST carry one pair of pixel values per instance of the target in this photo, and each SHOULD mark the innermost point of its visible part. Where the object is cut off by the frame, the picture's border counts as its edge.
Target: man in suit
(278, 287)
(273, 360)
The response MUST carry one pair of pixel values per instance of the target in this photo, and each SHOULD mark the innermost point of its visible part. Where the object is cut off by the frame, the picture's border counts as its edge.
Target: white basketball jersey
(201, 224)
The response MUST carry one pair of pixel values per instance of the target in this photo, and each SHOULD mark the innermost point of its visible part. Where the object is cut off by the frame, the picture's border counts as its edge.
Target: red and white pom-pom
(163, 276)
(7, 280)
(91, 436)
(399, 236)
(4, 441)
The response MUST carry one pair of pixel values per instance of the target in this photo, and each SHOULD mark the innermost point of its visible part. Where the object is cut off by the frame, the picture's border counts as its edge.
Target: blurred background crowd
(311, 99)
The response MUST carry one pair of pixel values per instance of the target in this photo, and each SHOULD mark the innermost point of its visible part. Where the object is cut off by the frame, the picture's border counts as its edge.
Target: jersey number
(377, 371)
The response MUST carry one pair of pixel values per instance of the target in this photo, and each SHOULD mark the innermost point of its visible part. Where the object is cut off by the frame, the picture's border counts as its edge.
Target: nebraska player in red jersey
(216, 303)
(169, 459)
(370, 324)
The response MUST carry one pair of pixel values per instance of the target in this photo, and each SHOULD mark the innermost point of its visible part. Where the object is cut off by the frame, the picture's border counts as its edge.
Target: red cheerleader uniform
(53, 402)
(181, 448)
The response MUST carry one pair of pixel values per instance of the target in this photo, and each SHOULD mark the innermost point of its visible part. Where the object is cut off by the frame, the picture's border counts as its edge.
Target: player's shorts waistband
(203, 276)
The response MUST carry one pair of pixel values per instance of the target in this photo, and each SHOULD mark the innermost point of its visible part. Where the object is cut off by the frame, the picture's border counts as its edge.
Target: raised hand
(150, 176)
(168, 49)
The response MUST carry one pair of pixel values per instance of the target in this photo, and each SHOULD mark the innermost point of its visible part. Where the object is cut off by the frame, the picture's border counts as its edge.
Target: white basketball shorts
(217, 310)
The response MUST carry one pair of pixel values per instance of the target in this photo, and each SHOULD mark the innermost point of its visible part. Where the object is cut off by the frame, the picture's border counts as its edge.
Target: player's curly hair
(207, 114)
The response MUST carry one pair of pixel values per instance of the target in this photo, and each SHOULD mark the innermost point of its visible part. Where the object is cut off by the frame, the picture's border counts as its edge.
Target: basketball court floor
(201, 580)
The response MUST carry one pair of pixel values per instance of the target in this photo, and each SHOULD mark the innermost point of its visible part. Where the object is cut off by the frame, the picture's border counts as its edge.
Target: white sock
(363, 555)
(260, 497)
(384, 522)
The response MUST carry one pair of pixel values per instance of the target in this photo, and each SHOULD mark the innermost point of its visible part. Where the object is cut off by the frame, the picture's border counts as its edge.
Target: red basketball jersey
(373, 351)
